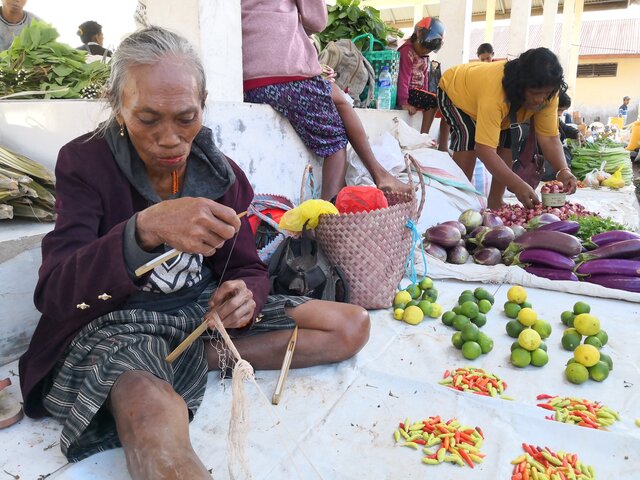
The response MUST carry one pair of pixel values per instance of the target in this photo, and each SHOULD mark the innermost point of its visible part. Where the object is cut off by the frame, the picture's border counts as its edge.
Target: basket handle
(372, 40)
(411, 161)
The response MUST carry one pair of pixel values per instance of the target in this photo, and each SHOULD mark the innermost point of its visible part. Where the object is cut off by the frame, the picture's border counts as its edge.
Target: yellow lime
(511, 309)
(413, 315)
(529, 339)
(520, 357)
(401, 299)
(426, 283)
(517, 294)
(599, 372)
(581, 307)
(576, 373)
(527, 317)
(587, 355)
(586, 324)
(471, 350)
(397, 313)
(539, 358)
(542, 327)
(436, 310)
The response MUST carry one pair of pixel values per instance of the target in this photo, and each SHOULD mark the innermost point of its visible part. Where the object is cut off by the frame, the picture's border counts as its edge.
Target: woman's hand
(410, 108)
(193, 225)
(525, 194)
(569, 181)
(234, 303)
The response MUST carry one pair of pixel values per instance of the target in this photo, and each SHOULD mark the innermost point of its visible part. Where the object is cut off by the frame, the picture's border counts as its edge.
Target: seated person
(91, 35)
(151, 178)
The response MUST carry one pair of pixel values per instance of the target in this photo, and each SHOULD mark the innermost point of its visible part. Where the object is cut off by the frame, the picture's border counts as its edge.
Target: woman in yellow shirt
(475, 100)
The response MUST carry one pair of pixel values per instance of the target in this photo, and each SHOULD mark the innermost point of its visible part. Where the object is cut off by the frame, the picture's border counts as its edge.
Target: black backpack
(300, 267)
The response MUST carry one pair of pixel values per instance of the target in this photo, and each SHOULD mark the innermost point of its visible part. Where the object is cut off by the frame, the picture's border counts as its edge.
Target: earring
(122, 129)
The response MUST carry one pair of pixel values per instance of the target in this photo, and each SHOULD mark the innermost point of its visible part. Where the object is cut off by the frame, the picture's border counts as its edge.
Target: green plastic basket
(379, 59)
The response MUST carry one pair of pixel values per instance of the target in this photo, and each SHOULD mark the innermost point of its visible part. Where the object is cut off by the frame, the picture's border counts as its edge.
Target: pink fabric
(412, 72)
(275, 40)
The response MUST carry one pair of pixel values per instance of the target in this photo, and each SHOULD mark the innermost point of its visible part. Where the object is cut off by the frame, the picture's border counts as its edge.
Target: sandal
(10, 408)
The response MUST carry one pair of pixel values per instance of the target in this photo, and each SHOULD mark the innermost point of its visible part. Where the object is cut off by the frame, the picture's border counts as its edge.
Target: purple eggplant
(548, 240)
(612, 236)
(518, 230)
(487, 256)
(498, 237)
(623, 249)
(444, 235)
(619, 282)
(476, 231)
(539, 257)
(491, 220)
(610, 266)
(552, 273)
(458, 225)
(458, 255)
(540, 220)
(564, 226)
(436, 251)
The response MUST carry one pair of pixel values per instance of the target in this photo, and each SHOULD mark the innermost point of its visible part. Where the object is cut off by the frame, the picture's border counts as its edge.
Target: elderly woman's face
(162, 112)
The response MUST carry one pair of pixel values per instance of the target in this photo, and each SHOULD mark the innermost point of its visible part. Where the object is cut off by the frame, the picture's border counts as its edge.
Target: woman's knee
(354, 325)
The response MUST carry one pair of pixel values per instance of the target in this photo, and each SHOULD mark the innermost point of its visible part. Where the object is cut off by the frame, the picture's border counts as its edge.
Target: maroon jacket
(82, 258)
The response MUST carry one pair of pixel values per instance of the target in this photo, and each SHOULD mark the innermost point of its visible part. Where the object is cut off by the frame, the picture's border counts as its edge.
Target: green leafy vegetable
(591, 155)
(593, 225)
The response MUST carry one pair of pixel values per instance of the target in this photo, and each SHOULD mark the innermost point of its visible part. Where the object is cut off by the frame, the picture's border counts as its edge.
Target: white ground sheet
(336, 422)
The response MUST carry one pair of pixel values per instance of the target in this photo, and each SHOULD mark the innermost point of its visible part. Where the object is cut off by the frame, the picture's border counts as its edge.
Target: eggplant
(540, 220)
(548, 240)
(487, 256)
(612, 236)
(619, 282)
(518, 230)
(444, 235)
(436, 251)
(458, 225)
(476, 231)
(552, 273)
(470, 219)
(539, 257)
(610, 266)
(564, 226)
(623, 249)
(490, 219)
(458, 255)
(498, 237)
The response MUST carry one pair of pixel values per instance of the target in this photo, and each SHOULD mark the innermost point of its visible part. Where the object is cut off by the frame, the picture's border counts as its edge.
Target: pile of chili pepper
(578, 411)
(475, 380)
(442, 441)
(543, 464)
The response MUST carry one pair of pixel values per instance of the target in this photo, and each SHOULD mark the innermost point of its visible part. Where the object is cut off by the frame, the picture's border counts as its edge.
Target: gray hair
(148, 46)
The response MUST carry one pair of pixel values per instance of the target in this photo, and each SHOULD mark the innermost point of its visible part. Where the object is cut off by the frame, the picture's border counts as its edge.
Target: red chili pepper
(479, 430)
(419, 441)
(546, 405)
(466, 457)
(401, 425)
(545, 396)
(447, 373)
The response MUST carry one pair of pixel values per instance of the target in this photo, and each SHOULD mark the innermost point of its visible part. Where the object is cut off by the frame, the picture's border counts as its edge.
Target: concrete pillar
(490, 16)
(550, 11)
(571, 71)
(568, 14)
(519, 29)
(456, 16)
(418, 12)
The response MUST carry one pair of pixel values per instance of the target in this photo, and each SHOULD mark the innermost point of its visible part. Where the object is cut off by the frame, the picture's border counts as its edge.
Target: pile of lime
(468, 316)
(528, 329)
(585, 338)
(416, 302)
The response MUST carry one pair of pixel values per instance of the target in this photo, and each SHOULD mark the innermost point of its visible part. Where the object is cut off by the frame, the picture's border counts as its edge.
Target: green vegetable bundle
(591, 155)
(594, 224)
(36, 66)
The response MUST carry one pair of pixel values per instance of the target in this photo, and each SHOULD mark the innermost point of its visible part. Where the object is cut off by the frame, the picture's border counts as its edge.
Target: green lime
(539, 358)
(581, 307)
(529, 339)
(430, 294)
(515, 345)
(485, 342)
(593, 340)
(520, 357)
(412, 303)
(467, 298)
(469, 309)
(470, 332)
(571, 360)
(482, 294)
(460, 321)
(568, 331)
(543, 328)
(456, 340)
(603, 337)
(425, 306)
(543, 346)
(426, 283)
(484, 305)
(471, 350)
(599, 371)
(526, 304)
(456, 309)
(512, 309)
(466, 292)
(606, 359)
(447, 318)
(576, 373)
(414, 291)
(567, 316)
(571, 340)
(480, 320)
(514, 327)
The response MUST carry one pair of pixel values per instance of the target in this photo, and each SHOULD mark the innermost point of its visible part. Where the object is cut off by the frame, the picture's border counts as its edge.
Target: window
(597, 70)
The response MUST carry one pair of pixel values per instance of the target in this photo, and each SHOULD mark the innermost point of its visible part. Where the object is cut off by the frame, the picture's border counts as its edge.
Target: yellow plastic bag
(308, 211)
(615, 180)
(634, 141)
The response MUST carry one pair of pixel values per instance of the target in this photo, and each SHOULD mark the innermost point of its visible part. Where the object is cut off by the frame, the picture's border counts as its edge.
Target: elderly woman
(150, 179)
(477, 99)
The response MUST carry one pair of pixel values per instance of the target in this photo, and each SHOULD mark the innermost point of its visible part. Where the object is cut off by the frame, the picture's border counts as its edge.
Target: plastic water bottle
(384, 90)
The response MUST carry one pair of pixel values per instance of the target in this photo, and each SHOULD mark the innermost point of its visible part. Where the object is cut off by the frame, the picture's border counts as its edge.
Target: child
(413, 86)
(485, 52)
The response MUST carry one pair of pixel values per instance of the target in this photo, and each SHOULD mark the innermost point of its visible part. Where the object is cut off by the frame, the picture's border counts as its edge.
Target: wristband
(561, 170)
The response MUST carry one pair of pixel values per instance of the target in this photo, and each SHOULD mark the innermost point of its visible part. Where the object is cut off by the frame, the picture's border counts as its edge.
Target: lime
(526, 305)
(430, 294)
(480, 320)
(482, 294)
(514, 327)
(606, 359)
(456, 340)
(567, 317)
(447, 318)
(527, 317)
(581, 307)
(529, 339)
(397, 313)
(571, 360)
(542, 327)
(603, 337)
(471, 350)
(586, 324)
(587, 355)
(599, 371)
(539, 358)
(469, 309)
(515, 345)
(484, 305)
(576, 373)
(426, 283)
(593, 340)
(520, 357)
(413, 315)
(414, 291)
(456, 309)
(436, 310)
(460, 321)
(467, 298)
(470, 332)
(485, 342)
(401, 299)
(517, 294)
(466, 292)
(412, 303)
(568, 331)
(425, 306)
(511, 309)
(571, 340)
(543, 346)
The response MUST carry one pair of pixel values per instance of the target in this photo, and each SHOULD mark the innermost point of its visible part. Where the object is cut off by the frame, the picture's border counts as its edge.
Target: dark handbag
(528, 164)
(422, 99)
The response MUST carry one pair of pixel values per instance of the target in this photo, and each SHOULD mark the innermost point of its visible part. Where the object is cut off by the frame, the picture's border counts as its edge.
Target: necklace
(174, 183)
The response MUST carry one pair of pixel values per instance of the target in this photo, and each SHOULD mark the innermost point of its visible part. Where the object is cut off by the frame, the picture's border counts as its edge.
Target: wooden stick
(286, 364)
(187, 341)
(165, 257)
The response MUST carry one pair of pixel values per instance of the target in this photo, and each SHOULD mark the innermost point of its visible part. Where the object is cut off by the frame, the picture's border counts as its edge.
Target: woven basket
(371, 247)
(379, 59)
